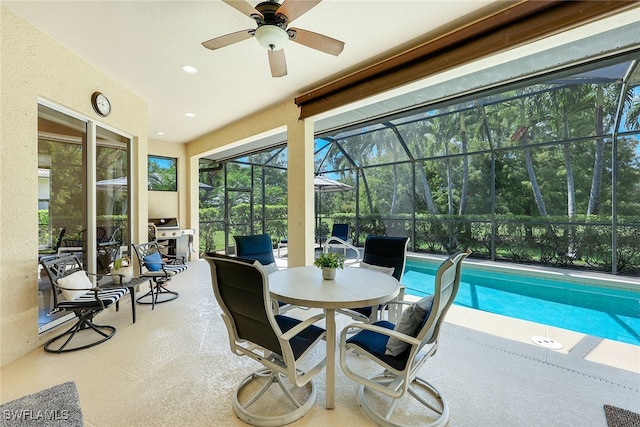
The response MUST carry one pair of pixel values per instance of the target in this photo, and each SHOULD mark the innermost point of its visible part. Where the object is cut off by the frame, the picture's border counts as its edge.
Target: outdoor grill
(175, 240)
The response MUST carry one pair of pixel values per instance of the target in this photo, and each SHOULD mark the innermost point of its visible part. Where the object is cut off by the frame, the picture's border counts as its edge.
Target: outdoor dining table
(352, 287)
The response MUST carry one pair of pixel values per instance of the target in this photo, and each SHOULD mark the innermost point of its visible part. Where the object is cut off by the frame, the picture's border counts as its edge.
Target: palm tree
(465, 165)
(524, 141)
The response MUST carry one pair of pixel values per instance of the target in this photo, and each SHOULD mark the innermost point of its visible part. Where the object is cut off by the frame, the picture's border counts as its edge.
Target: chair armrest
(182, 259)
(302, 326)
(98, 276)
(334, 241)
(161, 269)
(397, 302)
(379, 329)
(77, 289)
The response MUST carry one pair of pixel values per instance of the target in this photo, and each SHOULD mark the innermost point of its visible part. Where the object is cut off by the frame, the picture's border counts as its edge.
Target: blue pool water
(593, 310)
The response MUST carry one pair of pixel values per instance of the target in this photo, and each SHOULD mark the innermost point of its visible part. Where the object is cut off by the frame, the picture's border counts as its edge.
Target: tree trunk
(394, 197)
(427, 190)
(534, 182)
(598, 163)
(524, 139)
(366, 190)
(571, 193)
(465, 167)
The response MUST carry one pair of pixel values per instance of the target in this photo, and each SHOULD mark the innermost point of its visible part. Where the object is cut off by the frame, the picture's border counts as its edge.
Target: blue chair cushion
(386, 252)
(375, 344)
(257, 247)
(153, 262)
(301, 342)
(340, 231)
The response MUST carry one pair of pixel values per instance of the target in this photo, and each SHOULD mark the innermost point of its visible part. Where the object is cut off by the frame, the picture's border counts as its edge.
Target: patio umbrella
(323, 184)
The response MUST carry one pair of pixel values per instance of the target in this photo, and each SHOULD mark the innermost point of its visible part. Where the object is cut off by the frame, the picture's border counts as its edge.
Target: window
(163, 174)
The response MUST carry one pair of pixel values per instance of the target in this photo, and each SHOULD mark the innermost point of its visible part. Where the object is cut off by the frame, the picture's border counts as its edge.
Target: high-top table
(352, 288)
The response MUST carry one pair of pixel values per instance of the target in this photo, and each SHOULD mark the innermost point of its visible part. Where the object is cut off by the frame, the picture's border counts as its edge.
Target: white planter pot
(328, 273)
(127, 272)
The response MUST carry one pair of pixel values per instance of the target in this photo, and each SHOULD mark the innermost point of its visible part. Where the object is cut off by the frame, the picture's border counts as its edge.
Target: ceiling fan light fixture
(271, 37)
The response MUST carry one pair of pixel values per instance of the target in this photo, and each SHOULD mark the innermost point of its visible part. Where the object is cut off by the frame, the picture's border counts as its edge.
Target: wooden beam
(514, 26)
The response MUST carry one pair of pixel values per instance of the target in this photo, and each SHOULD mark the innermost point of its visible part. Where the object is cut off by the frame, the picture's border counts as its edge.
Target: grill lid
(165, 223)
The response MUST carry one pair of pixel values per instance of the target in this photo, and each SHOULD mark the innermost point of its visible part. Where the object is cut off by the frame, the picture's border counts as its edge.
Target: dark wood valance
(516, 25)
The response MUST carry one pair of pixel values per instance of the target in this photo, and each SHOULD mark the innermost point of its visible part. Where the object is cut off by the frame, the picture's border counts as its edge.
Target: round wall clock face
(100, 104)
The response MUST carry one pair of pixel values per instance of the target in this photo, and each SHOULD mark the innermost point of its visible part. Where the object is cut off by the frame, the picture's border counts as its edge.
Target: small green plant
(330, 260)
(124, 261)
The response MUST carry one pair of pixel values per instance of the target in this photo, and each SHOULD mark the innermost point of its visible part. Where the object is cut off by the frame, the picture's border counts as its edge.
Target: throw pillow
(412, 318)
(76, 280)
(386, 270)
(153, 262)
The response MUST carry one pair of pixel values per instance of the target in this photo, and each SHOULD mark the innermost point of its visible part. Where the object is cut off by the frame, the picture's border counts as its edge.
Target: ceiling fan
(272, 32)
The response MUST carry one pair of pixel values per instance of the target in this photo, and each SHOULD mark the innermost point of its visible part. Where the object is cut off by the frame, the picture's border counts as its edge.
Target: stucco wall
(171, 203)
(35, 66)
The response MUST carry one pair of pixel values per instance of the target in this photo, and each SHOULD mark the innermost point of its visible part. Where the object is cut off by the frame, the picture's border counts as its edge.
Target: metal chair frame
(371, 257)
(273, 346)
(171, 266)
(400, 373)
(85, 308)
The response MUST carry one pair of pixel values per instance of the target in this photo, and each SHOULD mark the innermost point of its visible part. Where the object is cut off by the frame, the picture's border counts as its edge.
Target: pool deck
(604, 351)
(174, 367)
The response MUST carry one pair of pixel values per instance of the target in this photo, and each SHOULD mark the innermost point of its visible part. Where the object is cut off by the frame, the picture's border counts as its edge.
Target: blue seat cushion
(375, 344)
(301, 342)
(153, 262)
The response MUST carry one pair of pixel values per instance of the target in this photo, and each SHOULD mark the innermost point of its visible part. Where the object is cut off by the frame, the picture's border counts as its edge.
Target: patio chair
(160, 268)
(106, 255)
(280, 343)
(259, 247)
(385, 254)
(340, 239)
(282, 243)
(401, 351)
(74, 291)
(54, 249)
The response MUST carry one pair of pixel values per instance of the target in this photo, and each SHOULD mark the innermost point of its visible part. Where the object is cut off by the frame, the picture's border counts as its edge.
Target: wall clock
(101, 104)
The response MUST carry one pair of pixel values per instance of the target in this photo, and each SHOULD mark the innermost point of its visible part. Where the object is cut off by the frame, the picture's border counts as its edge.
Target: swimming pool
(606, 312)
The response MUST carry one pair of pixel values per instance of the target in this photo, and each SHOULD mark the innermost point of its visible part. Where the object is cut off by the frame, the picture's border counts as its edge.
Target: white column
(301, 232)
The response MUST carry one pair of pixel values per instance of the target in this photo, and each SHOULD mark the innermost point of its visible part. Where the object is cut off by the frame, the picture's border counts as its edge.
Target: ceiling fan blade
(226, 40)
(316, 41)
(243, 7)
(293, 9)
(277, 63)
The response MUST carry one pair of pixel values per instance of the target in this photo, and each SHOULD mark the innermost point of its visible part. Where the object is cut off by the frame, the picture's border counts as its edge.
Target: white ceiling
(143, 44)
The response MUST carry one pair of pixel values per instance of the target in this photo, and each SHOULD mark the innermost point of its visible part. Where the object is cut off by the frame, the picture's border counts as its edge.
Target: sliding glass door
(83, 196)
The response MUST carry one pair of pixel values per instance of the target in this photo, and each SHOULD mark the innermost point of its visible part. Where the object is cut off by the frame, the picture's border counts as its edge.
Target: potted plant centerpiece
(329, 262)
(122, 270)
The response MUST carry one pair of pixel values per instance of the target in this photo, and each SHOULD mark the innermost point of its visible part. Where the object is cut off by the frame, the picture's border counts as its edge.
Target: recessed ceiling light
(189, 114)
(159, 132)
(189, 69)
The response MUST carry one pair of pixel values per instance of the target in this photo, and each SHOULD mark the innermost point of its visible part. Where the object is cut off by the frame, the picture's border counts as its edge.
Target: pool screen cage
(543, 171)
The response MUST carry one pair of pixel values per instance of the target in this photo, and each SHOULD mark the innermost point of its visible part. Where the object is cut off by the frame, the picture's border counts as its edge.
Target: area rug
(55, 406)
(618, 417)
